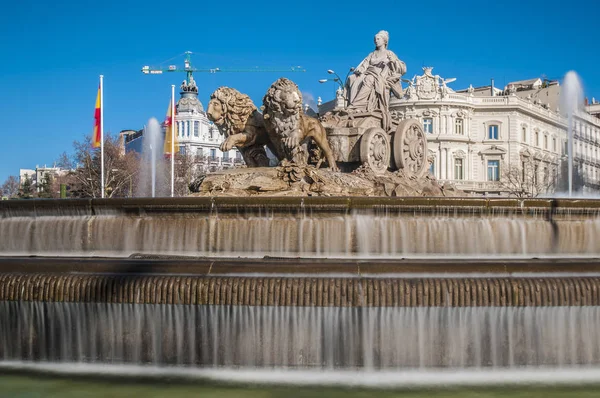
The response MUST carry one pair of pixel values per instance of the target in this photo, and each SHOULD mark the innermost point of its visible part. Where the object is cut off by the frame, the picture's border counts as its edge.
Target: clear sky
(52, 52)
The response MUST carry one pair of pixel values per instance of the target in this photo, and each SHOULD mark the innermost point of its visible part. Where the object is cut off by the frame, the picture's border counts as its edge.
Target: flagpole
(102, 135)
(172, 140)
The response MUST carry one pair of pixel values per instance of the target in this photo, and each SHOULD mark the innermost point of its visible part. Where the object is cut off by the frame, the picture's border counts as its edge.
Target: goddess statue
(369, 87)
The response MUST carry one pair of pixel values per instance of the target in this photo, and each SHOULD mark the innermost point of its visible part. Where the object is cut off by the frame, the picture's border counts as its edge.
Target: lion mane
(236, 109)
(287, 125)
(239, 121)
(282, 107)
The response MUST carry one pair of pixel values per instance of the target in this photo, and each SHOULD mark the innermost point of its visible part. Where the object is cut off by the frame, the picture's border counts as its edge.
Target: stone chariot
(361, 138)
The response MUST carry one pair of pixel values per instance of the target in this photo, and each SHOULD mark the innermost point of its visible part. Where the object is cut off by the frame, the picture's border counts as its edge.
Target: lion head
(229, 110)
(282, 106)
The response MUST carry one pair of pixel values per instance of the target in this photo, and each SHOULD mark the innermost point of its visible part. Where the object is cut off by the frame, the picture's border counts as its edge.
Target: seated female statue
(369, 87)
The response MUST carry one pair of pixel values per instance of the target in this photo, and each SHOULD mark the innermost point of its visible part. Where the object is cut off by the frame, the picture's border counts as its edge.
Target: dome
(189, 103)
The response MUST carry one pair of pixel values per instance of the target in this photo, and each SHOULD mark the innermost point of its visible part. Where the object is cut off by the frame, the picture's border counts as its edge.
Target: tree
(120, 170)
(10, 187)
(47, 187)
(26, 190)
(64, 161)
(528, 180)
(187, 168)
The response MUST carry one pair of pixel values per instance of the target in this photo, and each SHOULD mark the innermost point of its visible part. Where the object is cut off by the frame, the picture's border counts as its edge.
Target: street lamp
(337, 79)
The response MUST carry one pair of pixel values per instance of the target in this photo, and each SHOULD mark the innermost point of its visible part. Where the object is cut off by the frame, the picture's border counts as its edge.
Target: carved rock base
(295, 180)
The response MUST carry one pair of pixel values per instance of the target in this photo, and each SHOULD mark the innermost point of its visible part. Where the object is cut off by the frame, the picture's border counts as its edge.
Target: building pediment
(493, 151)
(526, 153)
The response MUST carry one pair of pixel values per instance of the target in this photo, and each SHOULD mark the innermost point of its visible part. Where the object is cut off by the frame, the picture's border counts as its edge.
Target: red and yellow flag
(96, 138)
(170, 131)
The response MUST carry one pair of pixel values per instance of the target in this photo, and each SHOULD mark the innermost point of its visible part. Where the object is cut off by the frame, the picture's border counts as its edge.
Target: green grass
(35, 386)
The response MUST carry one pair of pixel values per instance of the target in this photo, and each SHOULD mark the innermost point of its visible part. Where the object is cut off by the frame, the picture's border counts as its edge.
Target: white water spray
(152, 170)
(571, 102)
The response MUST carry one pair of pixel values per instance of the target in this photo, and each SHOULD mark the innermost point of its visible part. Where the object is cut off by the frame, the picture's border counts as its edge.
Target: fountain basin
(301, 227)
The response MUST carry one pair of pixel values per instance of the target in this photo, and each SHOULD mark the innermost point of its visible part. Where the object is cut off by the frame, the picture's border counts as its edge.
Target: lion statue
(289, 128)
(239, 121)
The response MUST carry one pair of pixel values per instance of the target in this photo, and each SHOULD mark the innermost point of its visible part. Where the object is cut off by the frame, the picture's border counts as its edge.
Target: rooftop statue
(369, 87)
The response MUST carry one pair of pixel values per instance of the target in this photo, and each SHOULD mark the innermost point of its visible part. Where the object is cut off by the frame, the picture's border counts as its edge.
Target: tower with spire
(197, 136)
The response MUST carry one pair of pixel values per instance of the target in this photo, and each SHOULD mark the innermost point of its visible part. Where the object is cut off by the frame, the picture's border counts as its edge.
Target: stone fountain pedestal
(289, 179)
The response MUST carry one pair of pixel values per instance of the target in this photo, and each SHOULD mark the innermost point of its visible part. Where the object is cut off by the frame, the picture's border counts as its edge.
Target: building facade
(196, 135)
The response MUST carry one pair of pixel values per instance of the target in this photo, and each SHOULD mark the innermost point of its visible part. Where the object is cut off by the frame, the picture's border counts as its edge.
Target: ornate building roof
(189, 102)
(427, 86)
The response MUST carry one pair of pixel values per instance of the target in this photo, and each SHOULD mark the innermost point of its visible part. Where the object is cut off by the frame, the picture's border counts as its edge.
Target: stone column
(449, 174)
(444, 124)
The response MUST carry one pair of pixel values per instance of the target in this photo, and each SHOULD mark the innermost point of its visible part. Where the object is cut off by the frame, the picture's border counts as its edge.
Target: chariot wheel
(375, 150)
(410, 148)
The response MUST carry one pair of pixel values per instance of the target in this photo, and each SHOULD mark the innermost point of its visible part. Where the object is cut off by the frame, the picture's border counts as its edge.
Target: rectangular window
(493, 167)
(226, 156)
(238, 155)
(545, 142)
(428, 126)
(493, 132)
(459, 126)
(524, 135)
(554, 144)
(537, 138)
(213, 154)
(458, 169)
(196, 128)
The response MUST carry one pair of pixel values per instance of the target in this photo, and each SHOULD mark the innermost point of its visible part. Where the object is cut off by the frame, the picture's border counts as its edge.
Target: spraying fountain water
(152, 171)
(571, 101)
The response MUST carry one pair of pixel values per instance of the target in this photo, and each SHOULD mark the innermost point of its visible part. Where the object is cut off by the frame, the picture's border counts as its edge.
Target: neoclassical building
(197, 136)
(494, 141)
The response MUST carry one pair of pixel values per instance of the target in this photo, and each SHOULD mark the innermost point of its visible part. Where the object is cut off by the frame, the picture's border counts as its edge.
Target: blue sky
(52, 52)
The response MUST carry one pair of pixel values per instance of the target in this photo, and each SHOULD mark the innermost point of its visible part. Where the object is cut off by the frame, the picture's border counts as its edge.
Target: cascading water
(571, 102)
(319, 321)
(356, 234)
(152, 178)
(330, 337)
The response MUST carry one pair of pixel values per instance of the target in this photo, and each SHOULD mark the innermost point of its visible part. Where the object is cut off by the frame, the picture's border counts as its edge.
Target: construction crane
(189, 69)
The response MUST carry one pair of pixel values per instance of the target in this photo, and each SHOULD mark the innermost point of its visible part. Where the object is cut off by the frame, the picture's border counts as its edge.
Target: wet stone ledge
(207, 205)
(302, 291)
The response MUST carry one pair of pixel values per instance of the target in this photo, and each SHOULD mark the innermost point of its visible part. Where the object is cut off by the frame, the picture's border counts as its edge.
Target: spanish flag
(170, 131)
(96, 138)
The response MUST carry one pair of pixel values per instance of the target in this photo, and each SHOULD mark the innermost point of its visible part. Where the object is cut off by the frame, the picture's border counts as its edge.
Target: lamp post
(337, 79)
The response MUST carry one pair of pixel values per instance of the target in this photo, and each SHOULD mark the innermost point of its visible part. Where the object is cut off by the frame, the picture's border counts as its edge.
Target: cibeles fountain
(345, 256)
